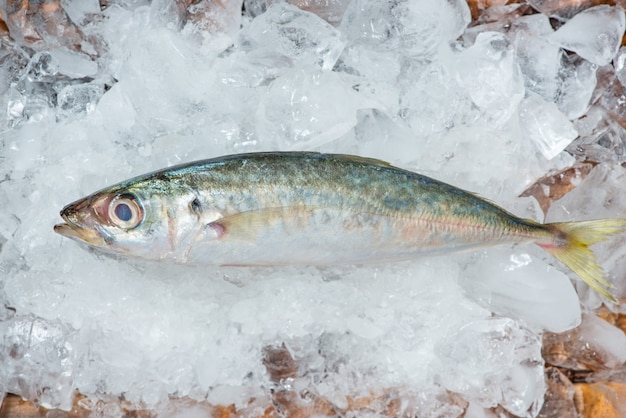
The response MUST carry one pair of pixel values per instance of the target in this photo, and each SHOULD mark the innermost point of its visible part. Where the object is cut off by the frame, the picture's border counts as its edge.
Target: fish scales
(446, 215)
(282, 208)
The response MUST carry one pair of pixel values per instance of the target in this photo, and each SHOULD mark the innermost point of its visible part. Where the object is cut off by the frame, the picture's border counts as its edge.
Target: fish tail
(570, 245)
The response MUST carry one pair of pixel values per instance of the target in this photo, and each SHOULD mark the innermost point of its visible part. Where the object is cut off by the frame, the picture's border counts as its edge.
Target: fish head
(142, 219)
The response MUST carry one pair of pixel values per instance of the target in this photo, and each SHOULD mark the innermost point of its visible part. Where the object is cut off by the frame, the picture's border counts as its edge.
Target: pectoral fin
(247, 226)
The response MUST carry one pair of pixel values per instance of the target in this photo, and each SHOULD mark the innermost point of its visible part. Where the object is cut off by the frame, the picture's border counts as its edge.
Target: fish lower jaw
(77, 233)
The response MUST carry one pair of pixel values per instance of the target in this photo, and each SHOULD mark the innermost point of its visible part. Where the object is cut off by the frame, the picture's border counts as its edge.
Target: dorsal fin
(365, 160)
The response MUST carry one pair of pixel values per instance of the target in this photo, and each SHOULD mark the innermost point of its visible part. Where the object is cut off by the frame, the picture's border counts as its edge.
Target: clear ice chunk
(42, 66)
(375, 128)
(114, 104)
(522, 286)
(79, 10)
(37, 360)
(577, 81)
(496, 86)
(594, 345)
(298, 35)
(36, 93)
(73, 64)
(413, 28)
(169, 14)
(548, 71)
(329, 10)
(368, 21)
(596, 196)
(495, 361)
(611, 134)
(435, 102)
(78, 99)
(606, 143)
(213, 17)
(307, 109)
(594, 34)
(28, 107)
(559, 9)
(539, 59)
(559, 401)
(619, 63)
(545, 126)
(41, 26)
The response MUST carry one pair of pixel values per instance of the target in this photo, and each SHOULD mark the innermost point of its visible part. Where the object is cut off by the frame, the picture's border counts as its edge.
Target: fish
(308, 208)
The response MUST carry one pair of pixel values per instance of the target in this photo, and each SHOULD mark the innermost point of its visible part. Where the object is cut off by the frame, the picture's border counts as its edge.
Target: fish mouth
(73, 228)
(77, 233)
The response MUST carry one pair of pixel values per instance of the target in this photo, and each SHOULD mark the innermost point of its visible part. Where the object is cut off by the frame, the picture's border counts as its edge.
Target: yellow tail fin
(573, 249)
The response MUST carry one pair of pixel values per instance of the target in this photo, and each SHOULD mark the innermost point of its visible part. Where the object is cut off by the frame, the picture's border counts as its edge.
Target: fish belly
(330, 237)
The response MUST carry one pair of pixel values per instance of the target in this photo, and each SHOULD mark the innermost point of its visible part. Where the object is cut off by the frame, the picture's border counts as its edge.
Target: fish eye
(125, 211)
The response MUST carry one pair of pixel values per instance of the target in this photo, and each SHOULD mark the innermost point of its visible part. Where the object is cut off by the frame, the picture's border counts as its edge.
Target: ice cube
(73, 64)
(620, 65)
(594, 345)
(414, 28)
(560, 9)
(595, 33)
(168, 13)
(42, 66)
(115, 104)
(474, 410)
(38, 90)
(78, 10)
(496, 86)
(604, 140)
(544, 125)
(296, 34)
(38, 360)
(521, 286)
(368, 21)
(329, 10)
(306, 109)
(375, 128)
(78, 99)
(498, 18)
(41, 26)
(211, 17)
(495, 361)
(31, 96)
(11, 63)
(613, 101)
(555, 185)
(539, 60)
(534, 25)
(436, 102)
(559, 402)
(30, 107)
(596, 196)
(254, 8)
(577, 81)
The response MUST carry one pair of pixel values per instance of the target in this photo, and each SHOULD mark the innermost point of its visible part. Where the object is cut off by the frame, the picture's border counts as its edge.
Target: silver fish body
(282, 208)
(297, 208)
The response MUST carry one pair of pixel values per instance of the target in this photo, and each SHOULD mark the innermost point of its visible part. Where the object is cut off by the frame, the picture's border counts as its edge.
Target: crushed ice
(148, 85)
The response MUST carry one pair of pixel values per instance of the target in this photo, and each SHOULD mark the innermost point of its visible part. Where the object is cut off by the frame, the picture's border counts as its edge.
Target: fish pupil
(196, 206)
(123, 212)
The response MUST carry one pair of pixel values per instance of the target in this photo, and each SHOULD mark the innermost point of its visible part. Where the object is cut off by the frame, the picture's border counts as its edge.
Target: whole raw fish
(307, 208)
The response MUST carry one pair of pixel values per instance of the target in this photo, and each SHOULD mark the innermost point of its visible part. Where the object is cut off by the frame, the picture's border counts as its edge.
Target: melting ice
(149, 85)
